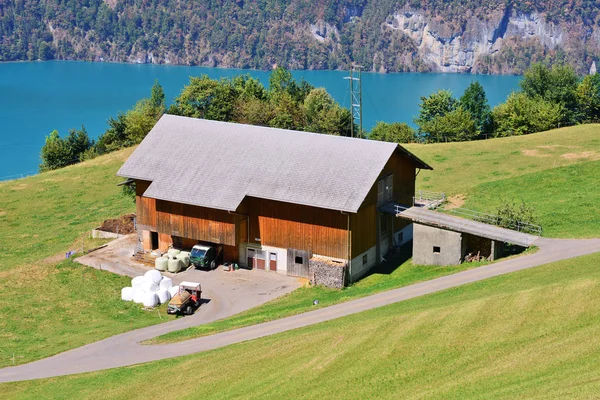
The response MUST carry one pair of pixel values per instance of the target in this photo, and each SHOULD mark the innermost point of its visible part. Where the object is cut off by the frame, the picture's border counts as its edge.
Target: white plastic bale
(163, 296)
(184, 254)
(185, 261)
(150, 300)
(137, 281)
(127, 294)
(166, 283)
(138, 296)
(148, 287)
(161, 263)
(153, 276)
(173, 290)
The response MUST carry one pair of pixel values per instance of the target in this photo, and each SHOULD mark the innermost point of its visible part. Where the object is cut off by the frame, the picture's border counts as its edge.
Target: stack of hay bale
(173, 261)
(151, 289)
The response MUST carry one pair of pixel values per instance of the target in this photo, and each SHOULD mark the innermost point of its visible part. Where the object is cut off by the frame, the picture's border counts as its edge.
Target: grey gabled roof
(216, 164)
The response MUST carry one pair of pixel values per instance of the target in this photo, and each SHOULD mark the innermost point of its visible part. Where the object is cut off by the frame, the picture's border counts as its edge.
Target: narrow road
(123, 350)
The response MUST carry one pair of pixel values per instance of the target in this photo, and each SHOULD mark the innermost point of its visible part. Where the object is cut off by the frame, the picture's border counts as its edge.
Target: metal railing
(492, 219)
(428, 199)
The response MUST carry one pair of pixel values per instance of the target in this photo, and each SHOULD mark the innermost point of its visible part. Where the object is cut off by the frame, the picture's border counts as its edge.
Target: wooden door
(297, 263)
(260, 259)
(273, 261)
(250, 256)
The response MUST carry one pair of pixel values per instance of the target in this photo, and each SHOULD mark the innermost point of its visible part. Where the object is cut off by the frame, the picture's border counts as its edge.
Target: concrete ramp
(458, 224)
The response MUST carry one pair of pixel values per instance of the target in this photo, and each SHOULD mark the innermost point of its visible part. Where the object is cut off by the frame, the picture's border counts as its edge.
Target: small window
(299, 260)
(365, 259)
(436, 249)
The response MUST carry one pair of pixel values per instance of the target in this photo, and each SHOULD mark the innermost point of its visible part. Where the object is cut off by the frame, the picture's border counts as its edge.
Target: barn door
(260, 259)
(272, 261)
(250, 257)
(297, 263)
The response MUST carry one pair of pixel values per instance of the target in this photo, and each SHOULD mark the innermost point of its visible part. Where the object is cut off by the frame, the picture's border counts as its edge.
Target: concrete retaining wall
(434, 246)
(99, 234)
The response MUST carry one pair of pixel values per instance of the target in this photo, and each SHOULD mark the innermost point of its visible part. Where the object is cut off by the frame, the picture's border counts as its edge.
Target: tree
(395, 133)
(456, 125)
(115, 137)
(432, 107)
(475, 102)
(206, 98)
(55, 153)
(281, 81)
(78, 143)
(557, 85)
(157, 97)
(521, 115)
(140, 120)
(588, 99)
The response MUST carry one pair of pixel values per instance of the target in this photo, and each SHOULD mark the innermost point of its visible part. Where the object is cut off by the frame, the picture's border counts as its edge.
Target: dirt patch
(455, 201)
(556, 146)
(20, 186)
(123, 225)
(534, 153)
(584, 154)
(2, 213)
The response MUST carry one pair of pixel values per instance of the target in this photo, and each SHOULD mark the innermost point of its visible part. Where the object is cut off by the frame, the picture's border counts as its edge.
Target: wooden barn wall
(404, 172)
(145, 207)
(293, 226)
(364, 223)
(194, 222)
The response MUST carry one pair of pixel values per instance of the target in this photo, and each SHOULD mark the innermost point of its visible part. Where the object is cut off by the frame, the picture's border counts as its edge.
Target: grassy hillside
(531, 334)
(459, 167)
(48, 306)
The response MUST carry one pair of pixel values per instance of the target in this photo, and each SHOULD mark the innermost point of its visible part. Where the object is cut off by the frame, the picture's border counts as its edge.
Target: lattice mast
(355, 87)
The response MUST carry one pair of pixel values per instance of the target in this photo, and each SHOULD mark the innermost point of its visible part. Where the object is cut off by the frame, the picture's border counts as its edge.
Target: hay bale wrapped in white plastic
(137, 281)
(174, 265)
(161, 263)
(165, 283)
(138, 295)
(148, 287)
(150, 300)
(173, 290)
(163, 296)
(185, 254)
(174, 252)
(127, 294)
(185, 261)
(153, 276)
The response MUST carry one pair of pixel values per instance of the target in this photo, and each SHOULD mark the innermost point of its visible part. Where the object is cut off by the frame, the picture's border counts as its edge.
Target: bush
(510, 215)
(395, 133)
(521, 115)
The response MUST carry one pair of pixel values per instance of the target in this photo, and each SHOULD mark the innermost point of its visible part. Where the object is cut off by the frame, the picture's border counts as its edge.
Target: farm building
(274, 199)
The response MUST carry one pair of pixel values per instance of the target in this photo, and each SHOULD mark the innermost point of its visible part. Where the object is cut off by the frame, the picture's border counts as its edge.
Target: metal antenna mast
(356, 99)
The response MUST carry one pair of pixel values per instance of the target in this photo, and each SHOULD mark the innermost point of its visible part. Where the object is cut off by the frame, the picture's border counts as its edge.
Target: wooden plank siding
(294, 226)
(193, 222)
(145, 207)
(363, 224)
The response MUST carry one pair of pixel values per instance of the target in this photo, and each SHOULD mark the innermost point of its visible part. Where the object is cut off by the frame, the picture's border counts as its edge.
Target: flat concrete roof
(458, 224)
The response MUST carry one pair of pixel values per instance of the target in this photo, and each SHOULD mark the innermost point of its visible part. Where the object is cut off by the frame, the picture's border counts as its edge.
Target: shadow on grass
(393, 260)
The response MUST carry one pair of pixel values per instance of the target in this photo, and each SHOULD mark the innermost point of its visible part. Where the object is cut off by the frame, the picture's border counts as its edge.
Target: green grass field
(530, 334)
(48, 305)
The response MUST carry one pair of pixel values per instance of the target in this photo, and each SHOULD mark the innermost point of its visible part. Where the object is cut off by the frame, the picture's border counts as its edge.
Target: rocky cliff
(496, 36)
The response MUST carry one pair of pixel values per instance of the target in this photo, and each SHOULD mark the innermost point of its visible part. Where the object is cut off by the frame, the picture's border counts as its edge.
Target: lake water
(38, 97)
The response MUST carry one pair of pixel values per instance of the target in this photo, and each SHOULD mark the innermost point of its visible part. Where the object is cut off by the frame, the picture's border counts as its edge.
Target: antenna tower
(355, 86)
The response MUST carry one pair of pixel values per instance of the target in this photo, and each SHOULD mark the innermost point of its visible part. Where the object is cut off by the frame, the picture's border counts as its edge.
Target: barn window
(299, 260)
(365, 258)
(436, 249)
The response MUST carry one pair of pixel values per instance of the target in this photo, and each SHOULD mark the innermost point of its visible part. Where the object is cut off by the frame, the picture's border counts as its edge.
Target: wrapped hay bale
(161, 263)
(127, 294)
(163, 296)
(150, 300)
(185, 254)
(166, 283)
(185, 261)
(138, 296)
(174, 265)
(153, 276)
(173, 290)
(148, 287)
(137, 281)
(173, 252)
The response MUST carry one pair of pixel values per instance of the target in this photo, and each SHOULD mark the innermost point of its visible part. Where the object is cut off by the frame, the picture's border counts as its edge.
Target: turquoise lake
(38, 97)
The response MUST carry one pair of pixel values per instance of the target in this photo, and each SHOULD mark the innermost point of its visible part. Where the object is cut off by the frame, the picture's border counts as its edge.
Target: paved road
(123, 350)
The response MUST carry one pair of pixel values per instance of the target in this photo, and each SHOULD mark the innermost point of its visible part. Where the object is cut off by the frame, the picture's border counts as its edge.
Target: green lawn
(48, 306)
(459, 167)
(566, 199)
(530, 334)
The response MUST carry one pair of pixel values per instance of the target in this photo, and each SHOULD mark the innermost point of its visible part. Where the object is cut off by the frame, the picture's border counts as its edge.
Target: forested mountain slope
(385, 35)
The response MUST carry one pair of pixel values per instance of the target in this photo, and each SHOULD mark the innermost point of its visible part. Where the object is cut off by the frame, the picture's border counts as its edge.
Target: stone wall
(323, 271)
